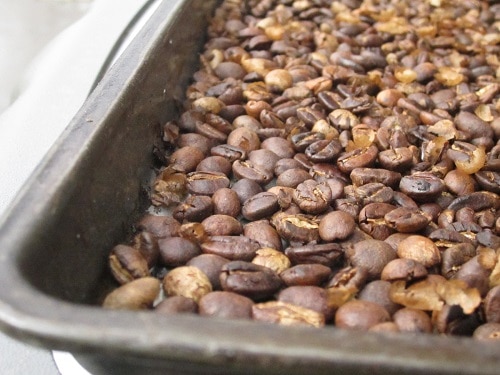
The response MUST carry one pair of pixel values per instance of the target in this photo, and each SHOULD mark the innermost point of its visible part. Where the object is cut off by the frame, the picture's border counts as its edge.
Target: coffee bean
(176, 251)
(420, 249)
(206, 183)
(306, 274)
(378, 291)
(263, 233)
(371, 255)
(187, 281)
(127, 263)
(176, 305)
(251, 280)
(325, 254)
(310, 297)
(226, 202)
(138, 294)
(231, 247)
(260, 206)
(412, 320)
(227, 305)
(312, 197)
(286, 314)
(222, 225)
(336, 225)
(360, 315)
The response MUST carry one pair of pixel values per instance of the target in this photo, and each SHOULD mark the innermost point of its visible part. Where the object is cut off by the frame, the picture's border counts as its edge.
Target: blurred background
(52, 53)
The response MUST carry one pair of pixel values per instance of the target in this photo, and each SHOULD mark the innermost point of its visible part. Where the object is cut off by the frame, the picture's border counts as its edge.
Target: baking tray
(83, 199)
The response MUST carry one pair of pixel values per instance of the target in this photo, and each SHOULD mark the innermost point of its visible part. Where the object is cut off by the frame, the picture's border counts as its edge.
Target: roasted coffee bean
(193, 232)
(406, 220)
(227, 305)
(147, 244)
(373, 192)
(422, 186)
(358, 158)
(251, 280)
(251, 171)
(396, 159)
(206, 183)
(326, 254)
(244, 138)
(336, 225)
(226, 202)
(378, 291)
(420, 249)
(361, 176)
(283, 165)
(280, 146)
(138, 294)
(371, 255)
(187, 281)
(260, 206)
(310, 297)
(265, 159)
(210, 265)
(455, 256)
(371, 220)
(306, 274)
(323, 151)
(403, 269)
(194, 208)
(292, 177)
(474, 274)
(231, 247)
(176, 305)
(349, 278)
(217, 164)
(186, 159)
(488, 331)
(231, 153)
(296, 227)
(263, 233)
(176, 251)
(492, 305)
(246, 188)
(312, 197)
(159, 226)
(412, 320)
(360, 315)
(222, 225)
(127, 263)
(286, 314)
(273, 259)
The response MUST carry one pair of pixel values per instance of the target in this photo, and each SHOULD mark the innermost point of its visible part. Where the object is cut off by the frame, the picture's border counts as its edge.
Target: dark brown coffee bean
(210, 265)
(246, 188)
(292, 177)
(323, 151)
(310, 297)
(176, 305)
(250, 280)
(250, 171)
(412, 320)
(284, 164)
(194, 208)
(226, 305)
(302, 141)
(403, 269)
(206, 183)
(127, 264)
(244, 138)
(452, 320)
(373, 192)
(478, 201)
(336, 225)
(406, 220)
(296, 227)
(371, 255)
(475, 275)
(176, 251)
(306, 274)
(280, 146)
(488, 331)
(371, 220)
(312, 197)
(396, 159)
(231, 153)
(422, 186)
(185, 159)
(226, 202)
(361, 176)
(265, 159)
(378, 291)
(222, 225)
(231, 247)
(455, 256)
(214, 164)
(260, 206)
(360, 315)
(159, 226)
(193, 232)
(325, 254)
(263, 233)
(358, 158)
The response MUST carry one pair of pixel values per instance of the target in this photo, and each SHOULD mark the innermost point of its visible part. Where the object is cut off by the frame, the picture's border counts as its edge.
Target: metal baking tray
(84, 198)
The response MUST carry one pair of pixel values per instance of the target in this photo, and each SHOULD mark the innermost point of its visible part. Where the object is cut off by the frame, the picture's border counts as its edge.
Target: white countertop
(50, 93)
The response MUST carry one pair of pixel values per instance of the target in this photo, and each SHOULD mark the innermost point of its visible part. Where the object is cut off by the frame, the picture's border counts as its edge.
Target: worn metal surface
(55, 240)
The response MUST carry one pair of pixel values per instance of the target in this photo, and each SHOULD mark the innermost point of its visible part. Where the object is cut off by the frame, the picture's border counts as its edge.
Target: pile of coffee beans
(336, 163)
